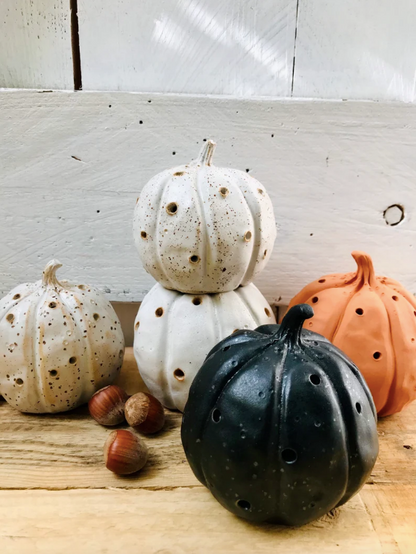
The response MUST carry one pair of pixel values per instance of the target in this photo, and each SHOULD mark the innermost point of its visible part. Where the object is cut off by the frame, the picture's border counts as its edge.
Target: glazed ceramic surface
(175, 331)
(204, 229)
(280, 425)
(373, 320)
(60, 342)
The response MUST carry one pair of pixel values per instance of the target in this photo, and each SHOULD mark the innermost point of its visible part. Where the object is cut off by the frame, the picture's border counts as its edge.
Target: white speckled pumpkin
(59, 344)
(174, 332)
(204, 229)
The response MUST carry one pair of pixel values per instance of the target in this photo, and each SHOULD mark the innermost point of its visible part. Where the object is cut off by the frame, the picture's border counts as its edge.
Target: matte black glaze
(280, 425)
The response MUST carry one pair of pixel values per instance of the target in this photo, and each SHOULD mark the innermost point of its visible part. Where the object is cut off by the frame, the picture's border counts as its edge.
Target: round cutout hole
(19, 381)
(395, 298)
(289, 455)
(194, 259)
(16, 297)
(52, 305)
(247, 236)
(260, 191)
(359, 311)
(264, 253)
(72, 360)
(53, 373)
(143, 234)
(314, 379)
(321, 280)
(159, 312)
(137, 325)
(224, 191)
(172, 208)
(315, 299)
(216, 416)
(179, 374)
(197, 301)
(358, 407)
(10, 318)
(267, 312)
(96, 316)
(82, 287)
(377, 355)
(244, 505)
(225, 348)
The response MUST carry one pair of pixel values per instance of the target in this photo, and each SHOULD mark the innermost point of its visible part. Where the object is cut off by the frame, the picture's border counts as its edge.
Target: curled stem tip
(49, 273)
(291, 327)
(206, 153)
(365, 269)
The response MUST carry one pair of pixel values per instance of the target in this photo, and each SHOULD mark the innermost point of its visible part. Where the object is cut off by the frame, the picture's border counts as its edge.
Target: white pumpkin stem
(49, 274)
(206, 153)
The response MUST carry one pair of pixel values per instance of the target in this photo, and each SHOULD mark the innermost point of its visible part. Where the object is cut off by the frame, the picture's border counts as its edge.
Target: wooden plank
(355, 49)
(35, 44)
(73, 165)
(165, 522)
(243, 48)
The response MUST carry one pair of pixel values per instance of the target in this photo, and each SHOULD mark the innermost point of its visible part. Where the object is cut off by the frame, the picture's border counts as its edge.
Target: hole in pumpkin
(260, 191)
(377, 355)
(179, 174)
(159, 312)
(96, 316)
(321, 280)
(10, 318)
(395, 298)
(314, 379)
(289, 455)
(137, 325)
(358, 407)
(312, 505)
(82, 287)
(179, 374)
(224, 191)
(194, 259)
(52, 305)
(172, 208)
(72, 360)
(53, 373)
(315, 299)
(216, 416)
(143, 234)
(225, 348)
(244, 505)
(16, 297)
(264, 253)
(197, 301)
(359, 311)
(412, 339)
(267, 312)
(247, 236)
(19, 381)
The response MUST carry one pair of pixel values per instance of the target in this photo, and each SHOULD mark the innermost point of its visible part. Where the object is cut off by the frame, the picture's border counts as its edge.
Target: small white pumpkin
(204, 229)
(174, 332)
(59, 344)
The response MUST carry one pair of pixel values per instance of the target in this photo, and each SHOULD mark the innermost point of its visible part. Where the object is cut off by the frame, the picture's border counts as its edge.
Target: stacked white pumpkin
(204, 233)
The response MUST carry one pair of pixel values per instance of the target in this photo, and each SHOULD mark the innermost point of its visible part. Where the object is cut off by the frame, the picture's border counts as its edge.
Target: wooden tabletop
(57, 497)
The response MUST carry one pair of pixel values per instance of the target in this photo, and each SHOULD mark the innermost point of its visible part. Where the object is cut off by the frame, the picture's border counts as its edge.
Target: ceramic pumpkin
(60, 343)
(279, 424)
(373, 320)
(175, 331)
(204, 229)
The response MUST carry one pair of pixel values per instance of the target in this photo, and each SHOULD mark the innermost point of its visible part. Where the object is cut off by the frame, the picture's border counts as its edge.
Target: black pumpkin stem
(291, 327)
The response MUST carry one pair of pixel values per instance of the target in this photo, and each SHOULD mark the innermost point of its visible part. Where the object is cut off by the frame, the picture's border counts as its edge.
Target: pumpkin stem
(206, 153)
(365, 269)
(49, 274)
(291, 327)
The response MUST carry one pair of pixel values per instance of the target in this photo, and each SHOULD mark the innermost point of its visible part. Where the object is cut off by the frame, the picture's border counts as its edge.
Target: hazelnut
(144, 413)
(107, 405)
(124, 452)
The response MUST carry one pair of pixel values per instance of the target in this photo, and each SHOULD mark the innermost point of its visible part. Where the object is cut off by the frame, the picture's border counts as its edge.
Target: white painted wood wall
(274, 82)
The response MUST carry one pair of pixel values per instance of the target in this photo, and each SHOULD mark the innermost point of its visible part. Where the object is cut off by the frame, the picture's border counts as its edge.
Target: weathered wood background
(73, 163)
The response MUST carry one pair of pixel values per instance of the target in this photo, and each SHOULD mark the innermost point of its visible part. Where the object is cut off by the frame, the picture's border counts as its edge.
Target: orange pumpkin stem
(365, 270)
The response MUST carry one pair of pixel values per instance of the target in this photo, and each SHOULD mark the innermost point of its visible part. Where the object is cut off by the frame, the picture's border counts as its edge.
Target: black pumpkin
(279, 424)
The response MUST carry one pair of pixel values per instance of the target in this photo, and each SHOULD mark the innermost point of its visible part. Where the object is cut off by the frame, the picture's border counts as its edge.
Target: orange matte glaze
(373, 320)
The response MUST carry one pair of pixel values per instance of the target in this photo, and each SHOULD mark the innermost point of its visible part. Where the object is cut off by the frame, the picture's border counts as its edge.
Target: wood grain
(35, 44)
(243, 48)
(164, 509)
(355, 49)
(73, 165)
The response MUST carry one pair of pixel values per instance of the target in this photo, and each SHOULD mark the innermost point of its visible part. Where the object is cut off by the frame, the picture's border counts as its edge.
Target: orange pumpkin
(373, 320)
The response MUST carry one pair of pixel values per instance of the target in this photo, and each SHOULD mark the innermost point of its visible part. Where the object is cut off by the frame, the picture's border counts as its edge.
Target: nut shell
(144, 413)
(124, 452)
(106, 406)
